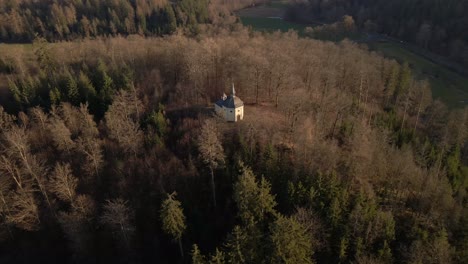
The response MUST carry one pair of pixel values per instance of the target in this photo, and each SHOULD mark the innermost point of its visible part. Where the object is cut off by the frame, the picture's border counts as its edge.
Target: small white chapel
(231, 107)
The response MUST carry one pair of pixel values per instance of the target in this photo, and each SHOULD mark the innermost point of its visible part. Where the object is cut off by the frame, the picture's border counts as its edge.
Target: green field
(278, 3)
(271, 24)
(446, 85)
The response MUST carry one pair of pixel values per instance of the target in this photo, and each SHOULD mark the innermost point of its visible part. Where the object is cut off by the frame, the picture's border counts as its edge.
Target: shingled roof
(231, 101)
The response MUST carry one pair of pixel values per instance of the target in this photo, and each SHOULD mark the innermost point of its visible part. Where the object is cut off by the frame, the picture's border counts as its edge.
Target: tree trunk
(181, 249)
(276, 99)
(256, 87)
(213, 188)
(360, 91)
(404, 114)
(27, 164)
(8, 213)
(124, 233)
(417, 118)
(334, 124)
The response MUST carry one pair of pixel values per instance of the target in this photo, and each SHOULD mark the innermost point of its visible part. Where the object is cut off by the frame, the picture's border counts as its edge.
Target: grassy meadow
(448, 86)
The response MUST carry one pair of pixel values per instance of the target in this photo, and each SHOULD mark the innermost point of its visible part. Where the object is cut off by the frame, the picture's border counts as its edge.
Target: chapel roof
(231, 101)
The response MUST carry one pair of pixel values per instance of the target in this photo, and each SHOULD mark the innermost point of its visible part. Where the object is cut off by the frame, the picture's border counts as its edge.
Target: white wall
(230, 114)
(240, 113)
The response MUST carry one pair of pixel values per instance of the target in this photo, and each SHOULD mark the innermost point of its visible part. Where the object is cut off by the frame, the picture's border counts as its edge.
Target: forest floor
(447, 84)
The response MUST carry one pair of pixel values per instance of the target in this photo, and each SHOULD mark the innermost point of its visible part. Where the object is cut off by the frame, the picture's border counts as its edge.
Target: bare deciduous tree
(63, 183)
(122, 121)
(18, 148)
(6, 120)
(23, 211)
(61, 135)
(211, 150)
(5, 186)
(76, 224)
(91, 148)
(117, 217)
(88, 127)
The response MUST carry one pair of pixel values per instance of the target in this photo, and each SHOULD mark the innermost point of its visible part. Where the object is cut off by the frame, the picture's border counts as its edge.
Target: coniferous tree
(173, 219)
(254, 200)
(171, 20)
(197, 257)
(237, 245)
(289, 241)
(218, 257)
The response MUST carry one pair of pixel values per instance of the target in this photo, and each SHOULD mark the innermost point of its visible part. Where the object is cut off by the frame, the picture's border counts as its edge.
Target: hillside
(111, 150)
(342, 152)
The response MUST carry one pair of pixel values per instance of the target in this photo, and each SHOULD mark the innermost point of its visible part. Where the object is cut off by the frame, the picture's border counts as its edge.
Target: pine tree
(55, 96)
(102, 81)
(173, 219)
(197, 257)
(404, 80)
(254, 201)
(73, 93)
(218, 257)
(236, 246)
(171, 26)
(289, 242)
(86, 87)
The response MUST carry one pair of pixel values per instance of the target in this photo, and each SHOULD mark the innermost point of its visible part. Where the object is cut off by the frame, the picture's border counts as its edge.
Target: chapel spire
(233, 92)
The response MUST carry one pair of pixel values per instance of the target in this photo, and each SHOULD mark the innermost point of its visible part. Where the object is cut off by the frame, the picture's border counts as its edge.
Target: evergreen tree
(218, 257)
(171, 26)
(289, 242)
(86, 87)
(197, 257)
(237, 245)
(55, 96)
(173, 219)
(404, 80)
(103, 84)
(73, 93)
(254, 201)
(453, 168)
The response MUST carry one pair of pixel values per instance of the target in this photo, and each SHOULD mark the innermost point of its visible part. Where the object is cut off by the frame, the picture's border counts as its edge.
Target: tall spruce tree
(289, 242)
(173, 219)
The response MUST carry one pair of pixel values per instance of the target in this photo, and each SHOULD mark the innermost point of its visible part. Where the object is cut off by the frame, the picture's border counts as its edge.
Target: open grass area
(448, 86)
(271, 24)
(278, 3)
(263, 12)
(268, 18)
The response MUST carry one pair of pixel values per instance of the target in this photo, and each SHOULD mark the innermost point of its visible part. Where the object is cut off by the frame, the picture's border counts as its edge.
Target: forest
(24, 20)
(110, 150)
(431, 24)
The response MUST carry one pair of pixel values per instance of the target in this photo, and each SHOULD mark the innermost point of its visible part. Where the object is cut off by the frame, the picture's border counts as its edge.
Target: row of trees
(430, 24)
(343, 156)
(22, 21)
